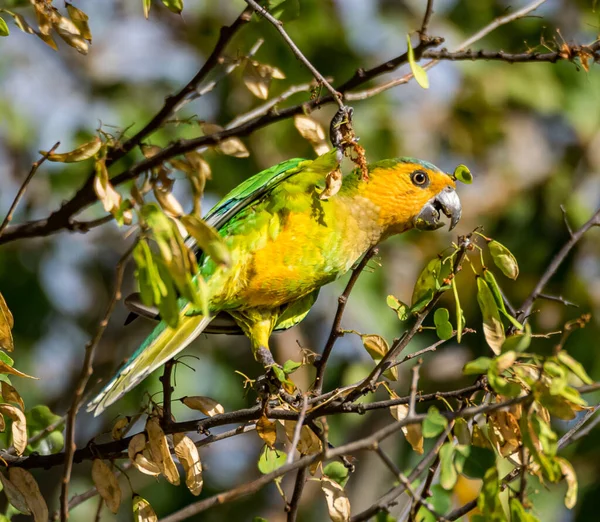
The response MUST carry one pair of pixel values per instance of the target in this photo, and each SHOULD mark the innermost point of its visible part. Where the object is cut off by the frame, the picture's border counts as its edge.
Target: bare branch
(336, 330)
(84, 377)
(21, 192)
(297, 52)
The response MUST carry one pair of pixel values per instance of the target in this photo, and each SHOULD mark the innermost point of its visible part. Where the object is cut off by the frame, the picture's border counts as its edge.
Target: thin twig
(403, 479)
(167, 387)
(367, 93)
(297, 494)
(555, 264)
(297, 52)
(84, 377)
(298, 429)
(336, 330)
(414, 387)
(558, 299)
(22, 190)
(426, 19)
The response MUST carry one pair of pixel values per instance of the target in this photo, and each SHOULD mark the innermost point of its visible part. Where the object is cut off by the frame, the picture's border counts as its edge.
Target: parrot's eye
(419, 178)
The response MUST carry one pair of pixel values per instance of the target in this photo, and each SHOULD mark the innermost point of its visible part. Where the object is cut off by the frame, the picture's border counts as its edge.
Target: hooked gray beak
(447, 203)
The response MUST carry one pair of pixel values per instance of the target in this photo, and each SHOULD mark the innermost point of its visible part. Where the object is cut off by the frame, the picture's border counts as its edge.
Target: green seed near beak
(463, 174)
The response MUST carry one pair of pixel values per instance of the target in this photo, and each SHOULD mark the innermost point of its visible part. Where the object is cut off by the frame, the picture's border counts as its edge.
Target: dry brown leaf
(571, 478)
(308, 444)
(142, 510)
(267, 430)
(107, 484)
(159, 449)
(412, 432)
(309, 129)
(333, 184)
(229, 146)
(9, 394)
(81, 153)
(338, 504)
(139, 455)
(119, 427)
(27, 485)
(18, 427)
(6, 325)
(188, 455)
(168, 201)
(2, 423)
(5, 368)
(106, 193)
(257, 78)
(206, 405)
(15, 497)
(504, 432)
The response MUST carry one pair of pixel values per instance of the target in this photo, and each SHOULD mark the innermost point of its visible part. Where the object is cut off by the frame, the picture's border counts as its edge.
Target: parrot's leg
(258, 324)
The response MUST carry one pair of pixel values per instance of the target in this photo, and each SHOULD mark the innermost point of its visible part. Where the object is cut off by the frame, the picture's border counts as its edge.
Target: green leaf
(270, 460)
(460, 323)
(443, 328)
(532, 425)
(502, 385)
(4, 31)
(403, 310)
(434, 423)
(382, 516)
(448, 475)
(477, 460)
(418, 71)
(291, 366)
(175, 6)
(38, 419)
(504, 259)
(478, 366)
(518, 342)
(489, 499)
(146, 4)
(461, 431)
(493, 330)
(208, 239)
(574, 367)
(463, 174)
(286, 10)
(338, 472)
(518, 513)
(6, 359)
(426, 285)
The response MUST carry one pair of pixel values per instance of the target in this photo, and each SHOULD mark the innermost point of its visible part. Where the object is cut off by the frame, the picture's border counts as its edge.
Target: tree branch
(84, 377)
(21, 192)
(336, 330)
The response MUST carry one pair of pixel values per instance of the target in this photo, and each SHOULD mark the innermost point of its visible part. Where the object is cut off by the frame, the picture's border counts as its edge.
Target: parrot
(287, 239)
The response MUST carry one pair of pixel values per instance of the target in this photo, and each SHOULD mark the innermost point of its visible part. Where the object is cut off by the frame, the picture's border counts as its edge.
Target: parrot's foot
(265, 357)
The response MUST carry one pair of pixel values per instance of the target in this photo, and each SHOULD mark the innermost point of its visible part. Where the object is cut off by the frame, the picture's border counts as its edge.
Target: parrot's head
(412, 193)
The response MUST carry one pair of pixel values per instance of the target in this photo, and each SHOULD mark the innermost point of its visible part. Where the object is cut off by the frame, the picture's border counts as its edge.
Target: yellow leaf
(168, 201)
(139, 455)
(208, 239)
(159, 449)
(188, 455)
(27, 485)
(206, 405)
(418, 72)
(267, 431)
(15, 497)
(18, 427)
(9, 394)
(107, 484)
(142, 510)
(6, 325)
(80, 19)
(412, 432)
(5, 368)
(84, 152)
(338, 504)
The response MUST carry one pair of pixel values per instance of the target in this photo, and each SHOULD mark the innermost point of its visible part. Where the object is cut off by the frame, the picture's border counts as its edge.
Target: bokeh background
(530, 134)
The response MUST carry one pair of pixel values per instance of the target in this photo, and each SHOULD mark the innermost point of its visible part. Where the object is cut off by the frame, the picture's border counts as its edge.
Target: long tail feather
(160, 346)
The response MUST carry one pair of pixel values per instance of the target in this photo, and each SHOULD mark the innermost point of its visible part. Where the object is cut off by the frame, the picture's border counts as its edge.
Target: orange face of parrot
(412, 194)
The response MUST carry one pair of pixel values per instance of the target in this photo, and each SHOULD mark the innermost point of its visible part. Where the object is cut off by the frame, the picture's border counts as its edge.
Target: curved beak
(447, 203)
